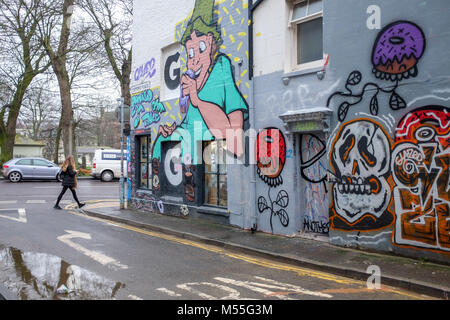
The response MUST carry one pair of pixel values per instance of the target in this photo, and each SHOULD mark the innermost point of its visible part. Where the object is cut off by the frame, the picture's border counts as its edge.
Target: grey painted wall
(372, 118)
(348, 183)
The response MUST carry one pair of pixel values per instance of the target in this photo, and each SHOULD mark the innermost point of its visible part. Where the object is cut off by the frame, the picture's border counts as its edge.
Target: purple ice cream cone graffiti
(396, 51)
(184, 100)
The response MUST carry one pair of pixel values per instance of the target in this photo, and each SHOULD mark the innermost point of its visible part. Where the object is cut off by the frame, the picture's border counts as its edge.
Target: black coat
(68, 177)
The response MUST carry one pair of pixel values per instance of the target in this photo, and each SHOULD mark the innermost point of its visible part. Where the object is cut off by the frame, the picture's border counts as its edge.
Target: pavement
(410, 274)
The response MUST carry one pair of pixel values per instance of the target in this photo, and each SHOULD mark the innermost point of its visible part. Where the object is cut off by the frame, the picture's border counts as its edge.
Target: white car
(106, 164)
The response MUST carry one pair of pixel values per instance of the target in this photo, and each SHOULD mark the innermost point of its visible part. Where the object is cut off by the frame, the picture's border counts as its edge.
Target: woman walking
(69, 181)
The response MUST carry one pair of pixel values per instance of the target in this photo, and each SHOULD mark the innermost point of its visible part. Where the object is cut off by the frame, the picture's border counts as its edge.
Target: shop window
(215, 182)
(306, 24)
(144, 162)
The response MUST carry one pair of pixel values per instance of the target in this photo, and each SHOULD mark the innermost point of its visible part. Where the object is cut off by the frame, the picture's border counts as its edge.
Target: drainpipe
(252, 7)
(253, 207)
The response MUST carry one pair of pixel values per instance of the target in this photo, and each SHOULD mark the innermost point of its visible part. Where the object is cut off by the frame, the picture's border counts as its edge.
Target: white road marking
(252, 286)
(169, 292)
(22, 215)
(187, 287)
(36, 201)
(294, 288)
(97, 256)
(267, 287)
(233, 294)
(52, 187)
(132, 296)
(8, 201)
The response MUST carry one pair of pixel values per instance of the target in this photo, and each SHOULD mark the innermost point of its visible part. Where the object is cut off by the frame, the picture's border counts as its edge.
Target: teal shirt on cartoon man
(219, 89)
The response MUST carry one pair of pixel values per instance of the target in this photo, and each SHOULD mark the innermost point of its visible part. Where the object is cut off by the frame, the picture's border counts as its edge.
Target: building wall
(159, 59)
(391, 126)
(28, 151)
(388, 137)
(378, 179)
(277, 90)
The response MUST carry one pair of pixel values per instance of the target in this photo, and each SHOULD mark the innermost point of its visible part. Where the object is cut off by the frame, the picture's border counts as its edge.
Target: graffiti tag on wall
(270, 160)
(421, 171)
(395, 54)
(145, 71)
(145, 109)
(314, 172)
(360, 159)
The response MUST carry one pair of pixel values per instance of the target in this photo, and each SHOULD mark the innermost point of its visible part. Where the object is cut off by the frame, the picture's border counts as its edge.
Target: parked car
(106, 164)
(19, 169)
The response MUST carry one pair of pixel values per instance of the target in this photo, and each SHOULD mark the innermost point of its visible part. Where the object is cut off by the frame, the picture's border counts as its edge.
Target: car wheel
(58, 177)
(107, 176)
(15, 177)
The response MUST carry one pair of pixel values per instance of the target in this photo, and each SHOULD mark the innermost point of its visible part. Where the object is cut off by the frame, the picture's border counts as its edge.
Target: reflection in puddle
(34, 276)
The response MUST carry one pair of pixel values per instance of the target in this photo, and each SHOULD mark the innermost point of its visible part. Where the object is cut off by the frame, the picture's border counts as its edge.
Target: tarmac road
(42, 249)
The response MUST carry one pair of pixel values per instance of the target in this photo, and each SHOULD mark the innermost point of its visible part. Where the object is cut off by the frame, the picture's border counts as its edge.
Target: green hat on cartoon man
(203, 21)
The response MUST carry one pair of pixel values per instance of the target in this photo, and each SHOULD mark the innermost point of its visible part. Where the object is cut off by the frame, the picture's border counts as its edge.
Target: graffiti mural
(200, 96)
(395, 54)
(270, 160)
(421, 171)
(396, 51)
(146, 109)
(209, 96)
(145, 71)
(155, 174)
(360, 159)
(314, 172)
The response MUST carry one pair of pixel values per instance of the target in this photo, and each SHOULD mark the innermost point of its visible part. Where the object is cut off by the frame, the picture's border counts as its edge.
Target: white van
(106, 164)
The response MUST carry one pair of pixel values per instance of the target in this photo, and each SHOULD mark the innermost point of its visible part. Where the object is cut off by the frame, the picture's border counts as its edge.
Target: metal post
(122, 191)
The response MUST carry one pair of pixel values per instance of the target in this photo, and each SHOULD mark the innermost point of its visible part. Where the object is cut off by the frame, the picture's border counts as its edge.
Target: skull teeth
(354, 188)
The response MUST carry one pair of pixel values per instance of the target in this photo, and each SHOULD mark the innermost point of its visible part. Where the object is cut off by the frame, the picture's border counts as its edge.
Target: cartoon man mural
(213, 105)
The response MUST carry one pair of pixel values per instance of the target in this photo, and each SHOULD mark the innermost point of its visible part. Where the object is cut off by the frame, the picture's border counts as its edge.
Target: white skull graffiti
(361, 157)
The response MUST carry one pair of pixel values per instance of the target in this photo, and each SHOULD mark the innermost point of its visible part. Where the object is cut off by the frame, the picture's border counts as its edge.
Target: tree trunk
(8, 130)
(125, 81)
(57, 140)
(66, 111)
(74, 145)
(58, 61)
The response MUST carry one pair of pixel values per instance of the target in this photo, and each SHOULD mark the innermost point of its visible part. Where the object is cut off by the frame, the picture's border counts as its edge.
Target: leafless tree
(22, 58)
(71, 48)
(113, 21)
(41, 107)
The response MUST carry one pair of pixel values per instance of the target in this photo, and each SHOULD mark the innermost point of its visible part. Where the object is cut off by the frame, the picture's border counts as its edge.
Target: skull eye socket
(364, 151)
(347, 146)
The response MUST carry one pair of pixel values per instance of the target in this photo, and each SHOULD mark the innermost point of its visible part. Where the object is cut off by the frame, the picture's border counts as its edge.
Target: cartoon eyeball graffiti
(271, 156)
(361, 157)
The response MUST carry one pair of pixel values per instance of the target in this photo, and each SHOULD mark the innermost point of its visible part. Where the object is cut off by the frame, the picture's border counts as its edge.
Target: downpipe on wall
(253, 217)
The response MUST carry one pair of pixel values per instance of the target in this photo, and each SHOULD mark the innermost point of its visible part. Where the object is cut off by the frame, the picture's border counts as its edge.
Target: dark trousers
(74, 194)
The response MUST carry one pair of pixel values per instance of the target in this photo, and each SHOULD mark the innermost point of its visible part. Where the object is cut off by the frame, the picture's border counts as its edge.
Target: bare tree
(23, 58)
(69, 53)
(40, 108)
(113, 20)
(58, 59)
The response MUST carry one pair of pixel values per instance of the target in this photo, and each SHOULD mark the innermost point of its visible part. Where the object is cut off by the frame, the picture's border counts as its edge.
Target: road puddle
(41, 276)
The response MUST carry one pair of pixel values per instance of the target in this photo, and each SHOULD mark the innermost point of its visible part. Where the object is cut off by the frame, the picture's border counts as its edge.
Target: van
(106, 164)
